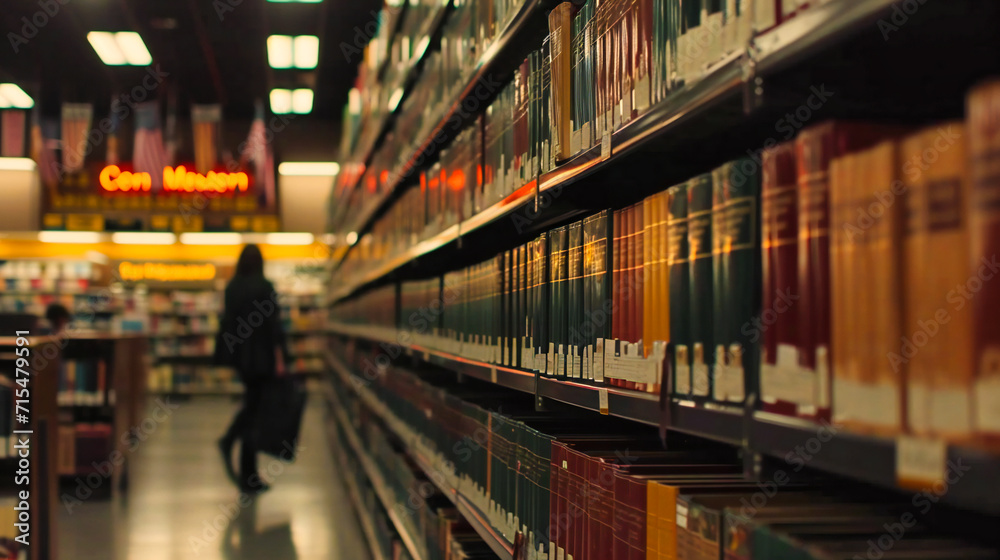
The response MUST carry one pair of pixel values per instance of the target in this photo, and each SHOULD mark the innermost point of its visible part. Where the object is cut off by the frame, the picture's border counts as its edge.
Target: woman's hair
(251, 262)
(57, 312)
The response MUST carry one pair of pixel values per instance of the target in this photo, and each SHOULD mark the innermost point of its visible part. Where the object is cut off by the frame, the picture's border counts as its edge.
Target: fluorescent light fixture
(352, 238)
(69, 237)
(143, 238)
(279, 51)
(281, 101)
(309, 168)
(133, 48)
(107, 48)
(211, 238)
(289, 238)
(295, 1)
(397, 96)
(302, 101)
(306, 51)
(11, 95)
(120, 49)
(17, 164)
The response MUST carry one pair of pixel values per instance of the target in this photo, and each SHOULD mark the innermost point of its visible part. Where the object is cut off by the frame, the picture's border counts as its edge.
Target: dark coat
(251, 327)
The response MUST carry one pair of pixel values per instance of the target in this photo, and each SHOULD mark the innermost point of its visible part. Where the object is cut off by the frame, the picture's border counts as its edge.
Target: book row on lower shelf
(83, 446)
(587, 488)
(422, 512)
(192, 378)
(802, 276)
(85, 382)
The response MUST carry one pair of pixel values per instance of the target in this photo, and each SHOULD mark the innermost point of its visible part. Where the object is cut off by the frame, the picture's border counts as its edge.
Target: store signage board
(166, 272)
(114, 180)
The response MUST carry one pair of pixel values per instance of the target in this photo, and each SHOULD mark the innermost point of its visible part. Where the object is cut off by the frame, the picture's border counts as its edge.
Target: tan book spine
(918, 289)
(947, 323)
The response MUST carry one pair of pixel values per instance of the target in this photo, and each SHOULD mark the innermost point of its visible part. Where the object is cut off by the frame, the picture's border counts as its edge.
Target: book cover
(701, 297)
(679, 276)
(779, 231)
(560, 39)
(982, 117)
(575, 300)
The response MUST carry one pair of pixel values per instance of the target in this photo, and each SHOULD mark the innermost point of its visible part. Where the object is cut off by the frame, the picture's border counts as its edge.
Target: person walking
(252, 340)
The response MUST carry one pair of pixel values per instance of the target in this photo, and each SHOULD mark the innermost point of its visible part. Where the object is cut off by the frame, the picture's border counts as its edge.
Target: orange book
(560, 39)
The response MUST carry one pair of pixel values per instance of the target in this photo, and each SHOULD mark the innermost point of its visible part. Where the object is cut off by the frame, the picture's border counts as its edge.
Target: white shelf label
(920, 462)
(602, 400)
(493, 374)
(606, 144)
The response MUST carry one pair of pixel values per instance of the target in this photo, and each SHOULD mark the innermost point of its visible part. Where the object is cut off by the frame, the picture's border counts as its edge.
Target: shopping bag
(280, 417)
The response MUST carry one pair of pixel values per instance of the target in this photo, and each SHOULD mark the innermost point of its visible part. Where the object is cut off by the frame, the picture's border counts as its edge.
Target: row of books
(9, 416)
(184, 325)
(596, 490)
(470, 28)
(84, 382)
(82, 448)
(439, 532)
(183, 346)
(184, 378)
(52, 276)
(602, 64)
(185, 302)
(848, 324)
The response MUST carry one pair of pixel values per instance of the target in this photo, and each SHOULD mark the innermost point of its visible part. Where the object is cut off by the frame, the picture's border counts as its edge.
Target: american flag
(76, 119)
(149, 155)
(44, 140)
(258, 151)
(13, 133)
(205, 121)
(112, 153)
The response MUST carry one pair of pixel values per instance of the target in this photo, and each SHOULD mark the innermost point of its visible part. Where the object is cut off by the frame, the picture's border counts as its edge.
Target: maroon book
(778, 326)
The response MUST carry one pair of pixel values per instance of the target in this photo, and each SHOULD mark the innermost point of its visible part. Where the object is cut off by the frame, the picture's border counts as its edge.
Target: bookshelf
(44, 421)
(696, 129)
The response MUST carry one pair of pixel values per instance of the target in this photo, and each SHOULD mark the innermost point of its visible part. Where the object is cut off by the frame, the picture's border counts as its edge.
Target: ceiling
(212, 50)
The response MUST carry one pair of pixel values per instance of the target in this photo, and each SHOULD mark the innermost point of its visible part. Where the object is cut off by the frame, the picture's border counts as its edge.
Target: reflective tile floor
(180, 505)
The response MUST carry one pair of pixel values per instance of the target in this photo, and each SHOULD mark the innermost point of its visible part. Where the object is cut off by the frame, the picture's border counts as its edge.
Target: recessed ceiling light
(302, 101)
(69, 237)
(12, 96)
(306, 51)
(289, 238)
(281, 101)
(309, 168)
(211, 238)
(120, 49)
(279, 51)
(143, 238)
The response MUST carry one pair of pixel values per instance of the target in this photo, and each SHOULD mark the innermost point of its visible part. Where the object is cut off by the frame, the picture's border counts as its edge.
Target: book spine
(720, 304)
(680, 302)
(743, 274)
(700, 294)
(779, 355)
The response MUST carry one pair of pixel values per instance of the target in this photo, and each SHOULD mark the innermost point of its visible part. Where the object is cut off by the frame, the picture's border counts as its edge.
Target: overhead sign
(113, 179)
(166, 272)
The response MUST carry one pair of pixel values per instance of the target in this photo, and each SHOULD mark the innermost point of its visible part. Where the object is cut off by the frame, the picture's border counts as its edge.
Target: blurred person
(252, 340)
(58, 317)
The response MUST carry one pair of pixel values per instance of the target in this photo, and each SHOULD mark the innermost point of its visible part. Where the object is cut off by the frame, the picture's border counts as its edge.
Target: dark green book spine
(745, 274)
(700, 251)
(680, 323)
(720, 283)
(603, 258)
(586, 320)
(542, 344)
(562, 316)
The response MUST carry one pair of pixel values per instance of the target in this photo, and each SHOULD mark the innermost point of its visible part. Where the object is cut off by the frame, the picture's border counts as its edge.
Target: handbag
(280, 417)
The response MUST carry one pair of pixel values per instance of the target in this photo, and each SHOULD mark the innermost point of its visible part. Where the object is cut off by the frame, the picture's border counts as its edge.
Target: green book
(701, 292)
(680, 323)
(574, 303)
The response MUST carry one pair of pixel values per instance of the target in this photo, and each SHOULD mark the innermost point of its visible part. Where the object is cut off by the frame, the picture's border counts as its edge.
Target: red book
(638, 297)
(815, 148)
(617, 310)
(779, 327)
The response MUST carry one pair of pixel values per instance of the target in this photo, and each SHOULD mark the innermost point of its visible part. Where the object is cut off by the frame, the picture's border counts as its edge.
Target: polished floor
(180, 505)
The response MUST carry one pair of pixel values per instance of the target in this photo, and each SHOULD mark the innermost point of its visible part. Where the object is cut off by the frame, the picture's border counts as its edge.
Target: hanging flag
(44, 141)
(170, 128)
(205, 121)
(258, 151)
(149, 155)
(12, 126)
(112, 156)
(76, 119)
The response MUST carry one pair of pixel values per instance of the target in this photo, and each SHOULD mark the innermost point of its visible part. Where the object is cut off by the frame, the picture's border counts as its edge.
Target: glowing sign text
(182, 180)
(113, 179)
(165, 272)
